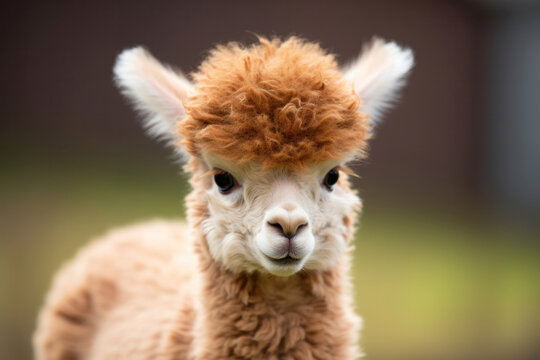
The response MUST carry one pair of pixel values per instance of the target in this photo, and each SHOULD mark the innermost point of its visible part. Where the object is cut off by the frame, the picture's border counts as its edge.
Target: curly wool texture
(284, 104)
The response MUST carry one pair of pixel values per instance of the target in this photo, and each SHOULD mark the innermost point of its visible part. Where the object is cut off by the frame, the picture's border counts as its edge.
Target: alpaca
(260, 270)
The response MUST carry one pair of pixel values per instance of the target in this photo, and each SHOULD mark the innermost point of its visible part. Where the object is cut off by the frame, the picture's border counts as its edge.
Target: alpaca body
(119, 296)
(135, 294)
(262, 273)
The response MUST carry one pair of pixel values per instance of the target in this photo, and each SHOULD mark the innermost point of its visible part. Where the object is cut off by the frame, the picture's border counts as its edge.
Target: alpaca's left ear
(378, 74)
(157, 91)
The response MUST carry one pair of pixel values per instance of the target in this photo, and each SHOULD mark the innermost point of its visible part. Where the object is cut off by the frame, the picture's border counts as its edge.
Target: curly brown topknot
(283, 103)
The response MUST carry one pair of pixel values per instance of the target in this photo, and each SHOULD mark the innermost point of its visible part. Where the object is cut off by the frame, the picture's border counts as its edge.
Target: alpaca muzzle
(286, 239)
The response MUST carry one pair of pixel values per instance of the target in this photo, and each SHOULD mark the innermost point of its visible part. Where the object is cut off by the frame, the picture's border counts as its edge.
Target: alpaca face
(277, 221)
(266, 124)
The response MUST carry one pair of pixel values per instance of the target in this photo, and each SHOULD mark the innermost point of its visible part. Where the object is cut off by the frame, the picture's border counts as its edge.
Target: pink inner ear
(378, 75)
(162, 80)
(371, 68)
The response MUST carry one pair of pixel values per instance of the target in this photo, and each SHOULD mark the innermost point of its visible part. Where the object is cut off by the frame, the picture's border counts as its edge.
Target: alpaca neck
(257, 316)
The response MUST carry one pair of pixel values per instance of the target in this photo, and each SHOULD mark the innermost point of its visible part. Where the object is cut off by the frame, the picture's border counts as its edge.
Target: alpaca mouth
(286, 261)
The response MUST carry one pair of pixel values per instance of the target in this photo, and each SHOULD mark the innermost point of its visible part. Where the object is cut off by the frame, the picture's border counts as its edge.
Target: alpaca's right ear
(157, 91)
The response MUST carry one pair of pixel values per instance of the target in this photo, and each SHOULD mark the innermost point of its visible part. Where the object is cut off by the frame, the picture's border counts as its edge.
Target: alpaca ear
(378, 74)
(157, 91)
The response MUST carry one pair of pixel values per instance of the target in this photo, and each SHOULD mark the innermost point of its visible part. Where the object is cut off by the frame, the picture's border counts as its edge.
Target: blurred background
(448, 248)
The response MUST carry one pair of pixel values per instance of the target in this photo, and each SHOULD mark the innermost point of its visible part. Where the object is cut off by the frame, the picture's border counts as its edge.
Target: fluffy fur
(277, 116)
(159, 95)
(283, 103)
(378, 74)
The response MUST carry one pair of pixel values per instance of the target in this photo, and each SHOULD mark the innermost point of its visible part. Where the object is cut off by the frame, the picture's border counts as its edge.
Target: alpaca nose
(287, 231)
(288, 221)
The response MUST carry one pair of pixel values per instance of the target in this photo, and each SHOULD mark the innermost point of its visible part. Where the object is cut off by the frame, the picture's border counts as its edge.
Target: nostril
(299, 228)
(277, 226)
(280, 229)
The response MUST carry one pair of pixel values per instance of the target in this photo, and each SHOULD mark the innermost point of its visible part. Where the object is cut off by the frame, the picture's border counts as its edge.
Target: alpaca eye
(224, 181)
(331, 179)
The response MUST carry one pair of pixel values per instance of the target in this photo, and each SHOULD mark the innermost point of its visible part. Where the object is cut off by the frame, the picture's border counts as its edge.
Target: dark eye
(224, 181)
(331, 179)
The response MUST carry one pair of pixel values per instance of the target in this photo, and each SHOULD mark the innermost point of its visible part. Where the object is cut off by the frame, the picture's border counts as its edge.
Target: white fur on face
(241, 230)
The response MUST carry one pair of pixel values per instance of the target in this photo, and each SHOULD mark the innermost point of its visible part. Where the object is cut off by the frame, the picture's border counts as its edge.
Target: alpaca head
(268, 130)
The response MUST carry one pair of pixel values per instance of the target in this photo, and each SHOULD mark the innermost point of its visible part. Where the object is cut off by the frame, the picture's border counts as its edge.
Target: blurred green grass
(428, 283)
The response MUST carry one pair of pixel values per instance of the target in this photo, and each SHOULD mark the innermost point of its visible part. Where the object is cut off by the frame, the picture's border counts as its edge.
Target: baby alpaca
(261, 269)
